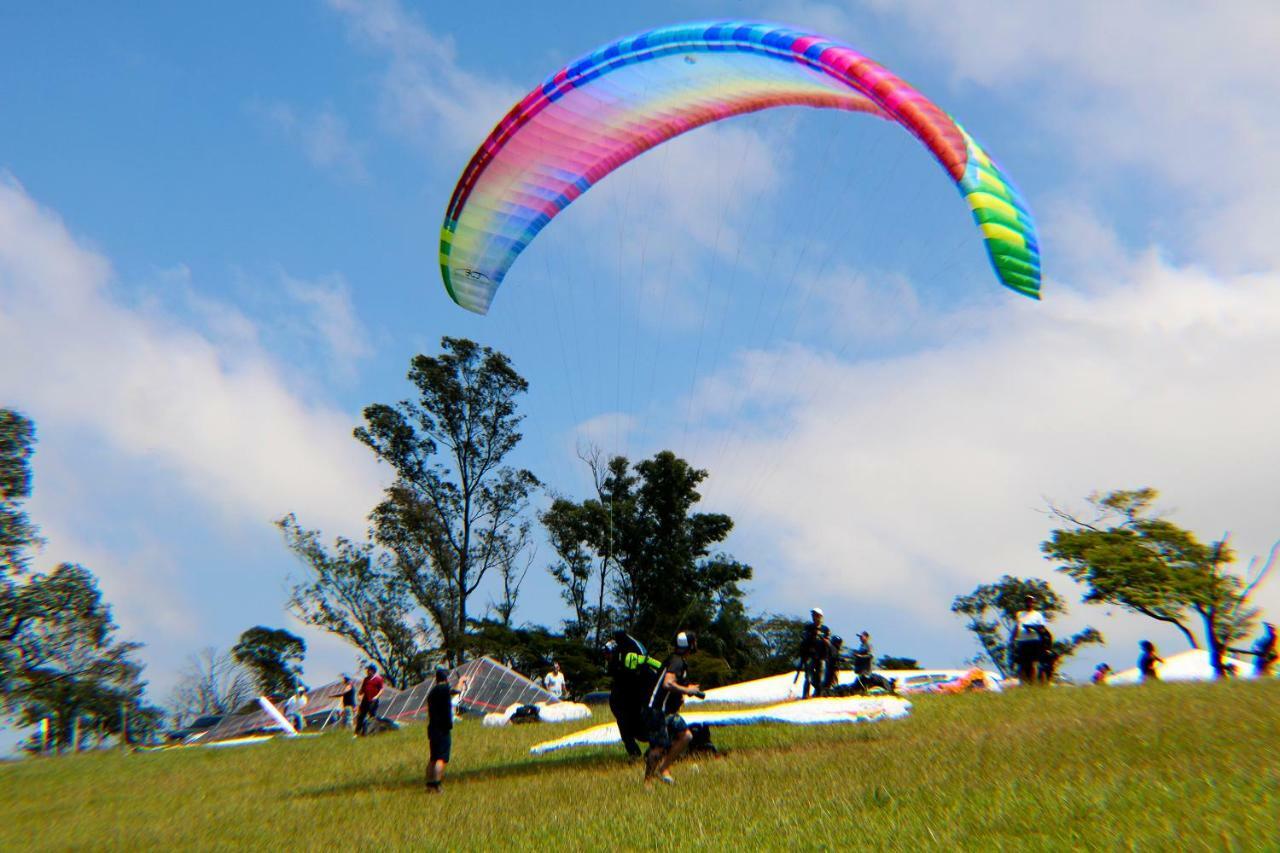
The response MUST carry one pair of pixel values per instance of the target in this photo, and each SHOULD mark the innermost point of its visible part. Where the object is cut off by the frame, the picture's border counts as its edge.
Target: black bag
(526, 714)
(701, 739)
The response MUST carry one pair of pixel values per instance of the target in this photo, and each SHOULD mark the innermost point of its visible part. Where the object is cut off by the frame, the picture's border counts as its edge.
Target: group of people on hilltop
(822, 655)
(647, 694)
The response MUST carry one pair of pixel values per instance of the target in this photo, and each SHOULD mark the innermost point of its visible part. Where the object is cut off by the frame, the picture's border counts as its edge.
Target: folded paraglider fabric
(811, 712)
(548, 712)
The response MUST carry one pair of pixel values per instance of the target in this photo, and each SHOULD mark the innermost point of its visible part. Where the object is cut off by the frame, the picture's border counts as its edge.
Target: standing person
(554, 680)
(440, 726)
(293, 708)
(1148, 660)
(370, 690)
(1027, 642)
(669, 735)
(1264, 652)
(348, 693)
(810, 653)
(825, 664)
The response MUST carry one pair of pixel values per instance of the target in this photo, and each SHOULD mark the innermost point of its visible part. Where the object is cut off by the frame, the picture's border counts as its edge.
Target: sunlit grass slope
(1157, 767)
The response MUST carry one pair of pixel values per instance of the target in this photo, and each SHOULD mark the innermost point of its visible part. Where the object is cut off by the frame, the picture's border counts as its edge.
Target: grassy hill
(1158, 767)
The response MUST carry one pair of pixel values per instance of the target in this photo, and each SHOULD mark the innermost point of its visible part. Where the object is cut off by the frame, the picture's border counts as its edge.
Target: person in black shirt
(348, 693)
(811, 653)
(440, 726)
(669, 735)
(1147, 662)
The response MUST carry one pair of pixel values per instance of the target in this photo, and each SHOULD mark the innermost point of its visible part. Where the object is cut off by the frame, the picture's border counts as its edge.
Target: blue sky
(218, 240)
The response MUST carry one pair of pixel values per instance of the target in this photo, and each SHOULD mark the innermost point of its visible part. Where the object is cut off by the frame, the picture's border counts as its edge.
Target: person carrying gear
(811, 653)
(669, 735)
(633, 675)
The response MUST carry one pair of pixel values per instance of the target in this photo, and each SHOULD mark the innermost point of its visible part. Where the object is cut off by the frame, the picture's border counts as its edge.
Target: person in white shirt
(1028, 642)
(293, 708)
(554, 680)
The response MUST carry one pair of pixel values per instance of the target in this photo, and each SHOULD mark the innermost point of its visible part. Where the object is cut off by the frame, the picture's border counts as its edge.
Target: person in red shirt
(370, 690)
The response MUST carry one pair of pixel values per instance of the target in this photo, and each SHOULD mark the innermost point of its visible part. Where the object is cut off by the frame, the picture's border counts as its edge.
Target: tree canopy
(1130, 556)
(455, 510)
(274, 657)
(655, 569)
(72, 670)
(356, 593)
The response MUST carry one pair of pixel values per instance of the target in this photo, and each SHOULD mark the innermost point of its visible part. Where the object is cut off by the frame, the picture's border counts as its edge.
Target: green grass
(1152, 767)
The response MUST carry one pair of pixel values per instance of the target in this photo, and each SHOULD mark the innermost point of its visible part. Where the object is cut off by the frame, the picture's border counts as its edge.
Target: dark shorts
(663, 728)
(441, 741)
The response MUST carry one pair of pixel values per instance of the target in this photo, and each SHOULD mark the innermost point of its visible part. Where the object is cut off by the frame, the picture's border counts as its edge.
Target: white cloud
(426, 92)
(327, 302)
(900, 482)
(226, 424)
(1178, 93)
(322, 136)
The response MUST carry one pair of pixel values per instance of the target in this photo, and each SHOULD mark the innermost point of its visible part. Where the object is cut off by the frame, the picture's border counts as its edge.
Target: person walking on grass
(370, 690)
(1148, 660)
(669, 735)
(440, 727)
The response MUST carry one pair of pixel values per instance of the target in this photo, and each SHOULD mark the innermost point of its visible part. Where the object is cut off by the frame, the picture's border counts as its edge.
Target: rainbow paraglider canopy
(614, 104)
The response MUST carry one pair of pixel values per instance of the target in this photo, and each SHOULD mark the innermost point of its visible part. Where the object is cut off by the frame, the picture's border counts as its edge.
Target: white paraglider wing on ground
(814, 712)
